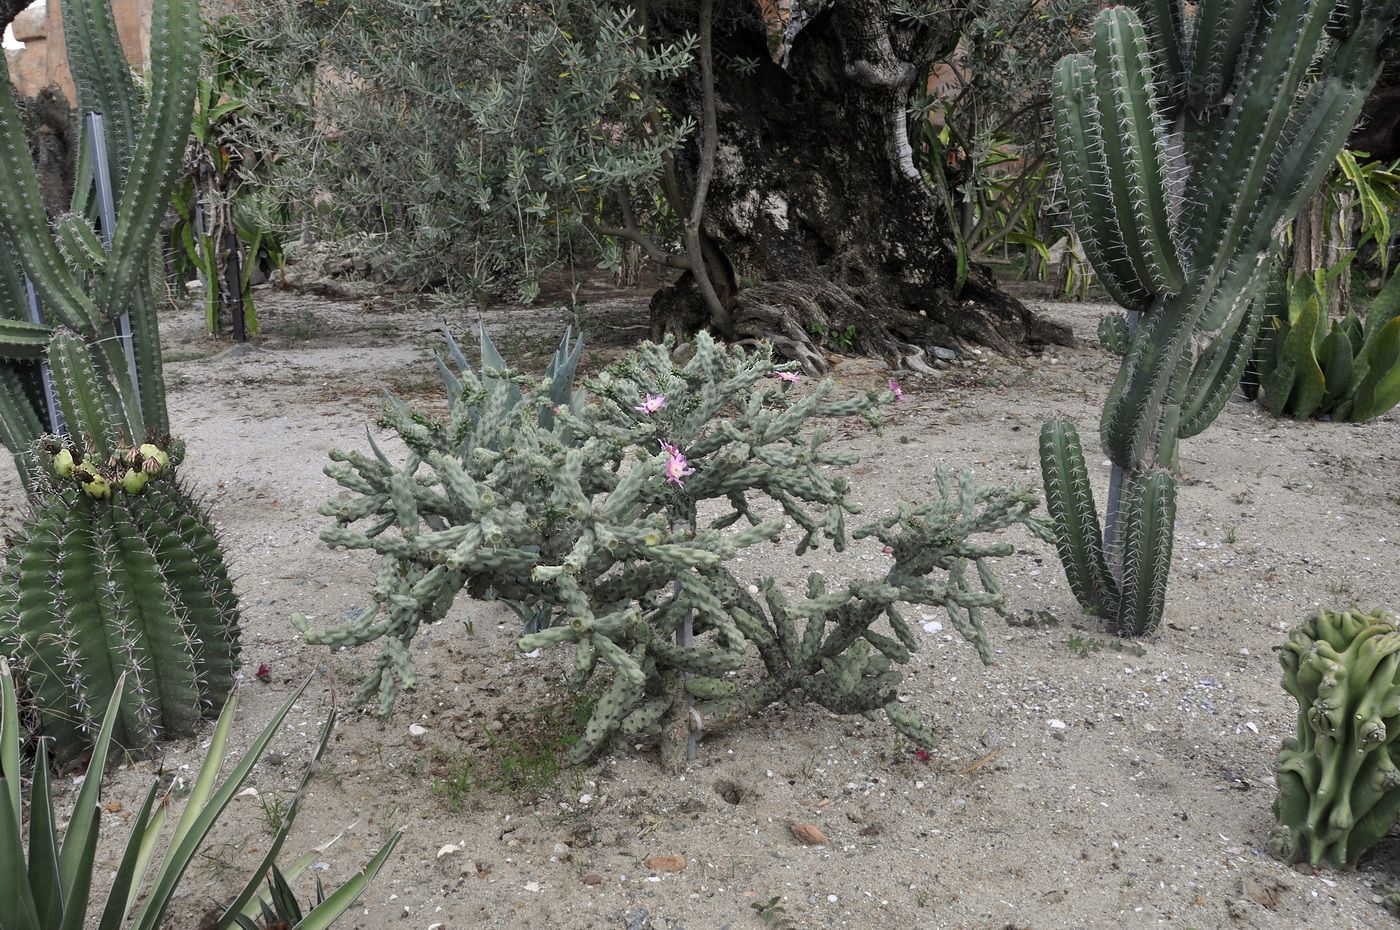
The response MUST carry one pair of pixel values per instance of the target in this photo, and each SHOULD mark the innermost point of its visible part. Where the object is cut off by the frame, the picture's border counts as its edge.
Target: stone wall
(44, 58)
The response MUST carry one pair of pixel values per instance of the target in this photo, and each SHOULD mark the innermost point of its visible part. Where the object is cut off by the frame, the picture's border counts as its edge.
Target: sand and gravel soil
(1079, 782)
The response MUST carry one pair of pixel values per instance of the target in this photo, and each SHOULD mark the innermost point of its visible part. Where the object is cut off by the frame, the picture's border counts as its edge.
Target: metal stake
(107, 216)
(36, 315)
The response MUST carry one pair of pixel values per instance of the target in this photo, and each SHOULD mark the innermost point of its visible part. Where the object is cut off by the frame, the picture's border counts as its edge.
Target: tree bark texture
(821, 225)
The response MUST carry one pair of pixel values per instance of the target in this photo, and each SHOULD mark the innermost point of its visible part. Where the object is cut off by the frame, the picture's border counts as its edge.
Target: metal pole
(1115, 492)
(107, 216)
(36, 315)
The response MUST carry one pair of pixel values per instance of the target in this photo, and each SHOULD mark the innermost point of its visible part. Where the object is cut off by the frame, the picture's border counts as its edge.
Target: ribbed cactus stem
(1177, 218)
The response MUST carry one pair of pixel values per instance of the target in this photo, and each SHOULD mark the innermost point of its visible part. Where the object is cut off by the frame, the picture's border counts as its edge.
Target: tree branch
(709, 147)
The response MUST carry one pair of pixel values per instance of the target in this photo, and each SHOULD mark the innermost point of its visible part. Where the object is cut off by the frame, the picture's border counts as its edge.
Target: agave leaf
(119, 895)
(178, 858)
(45, 882)
(270, 858)
(329, 910)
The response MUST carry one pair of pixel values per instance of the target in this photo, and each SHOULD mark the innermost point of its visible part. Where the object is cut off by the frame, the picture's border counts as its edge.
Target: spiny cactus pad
(624, 516)
(1338, 782)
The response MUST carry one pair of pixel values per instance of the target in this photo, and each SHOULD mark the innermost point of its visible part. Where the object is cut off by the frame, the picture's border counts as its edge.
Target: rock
(417, 731)
(447, 850)
(532, 887)
(942, 353)
(666, 863)
(809, 834)
(1056, 724)
(593, 878)
(1263, 891)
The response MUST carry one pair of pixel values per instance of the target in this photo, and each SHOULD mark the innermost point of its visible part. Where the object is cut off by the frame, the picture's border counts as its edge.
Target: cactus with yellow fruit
(624, 516)
(115, 570)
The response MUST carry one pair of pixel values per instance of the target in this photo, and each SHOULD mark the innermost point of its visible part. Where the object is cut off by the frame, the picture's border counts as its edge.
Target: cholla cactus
(620, 515)
(1338, 783)
(1186, 139)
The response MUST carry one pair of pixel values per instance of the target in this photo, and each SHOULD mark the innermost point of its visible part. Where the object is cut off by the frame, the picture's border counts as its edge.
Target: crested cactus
(1187, 136)
(597, 514)
(115, 570)
(1338, 781)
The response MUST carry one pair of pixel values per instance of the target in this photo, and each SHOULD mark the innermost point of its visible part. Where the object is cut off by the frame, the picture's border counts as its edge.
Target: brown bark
(819, 219)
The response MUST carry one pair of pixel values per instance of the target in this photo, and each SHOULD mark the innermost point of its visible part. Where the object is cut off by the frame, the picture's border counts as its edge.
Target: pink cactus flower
(887, 550)
(651, 403)
(893, 385)
(677, 467)
(791, 377)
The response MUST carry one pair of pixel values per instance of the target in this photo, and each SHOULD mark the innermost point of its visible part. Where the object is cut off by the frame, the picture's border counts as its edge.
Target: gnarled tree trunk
(818, 224)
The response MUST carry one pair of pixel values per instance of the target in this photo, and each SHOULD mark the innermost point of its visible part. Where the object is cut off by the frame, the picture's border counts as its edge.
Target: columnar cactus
(1338, 781)
(116, 570)
(597, 514)
(1187, 136)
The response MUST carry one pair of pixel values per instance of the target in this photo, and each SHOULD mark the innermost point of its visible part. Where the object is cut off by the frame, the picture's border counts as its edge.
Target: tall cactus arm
(1164, 23)
(14, 300)
(1079, 141)
(1217, 373)
(26, 225)
(22, 339)
(19, 421)
(175, 62)
(103, 80)
(1149, 515)
(1287, 35)
(89, 409)
(1219, 35)
(175, 51)
(1070, 500)
(1135, 399)
(1135, 146)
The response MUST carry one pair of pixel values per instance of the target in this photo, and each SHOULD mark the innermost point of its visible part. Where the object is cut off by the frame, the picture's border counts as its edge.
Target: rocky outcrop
(44, 58)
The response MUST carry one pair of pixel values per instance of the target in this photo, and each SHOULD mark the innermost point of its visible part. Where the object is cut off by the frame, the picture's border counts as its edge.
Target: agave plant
(51, 888)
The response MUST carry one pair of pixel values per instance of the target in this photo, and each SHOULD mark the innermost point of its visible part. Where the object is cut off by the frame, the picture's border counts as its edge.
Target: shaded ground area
(1079, 782)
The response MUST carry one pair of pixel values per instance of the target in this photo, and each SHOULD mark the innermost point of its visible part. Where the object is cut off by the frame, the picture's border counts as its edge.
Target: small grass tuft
(527, 761)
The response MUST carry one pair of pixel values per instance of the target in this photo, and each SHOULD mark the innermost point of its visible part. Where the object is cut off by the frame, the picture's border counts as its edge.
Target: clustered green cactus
(115, 569)
(1338, 781)
(1186, 136)
(118, 572)
(1348, 370)
(617, 515)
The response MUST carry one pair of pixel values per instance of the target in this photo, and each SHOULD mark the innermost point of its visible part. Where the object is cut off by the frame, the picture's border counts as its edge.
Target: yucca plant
(1187, 135)
(116, 570)
(50, 887)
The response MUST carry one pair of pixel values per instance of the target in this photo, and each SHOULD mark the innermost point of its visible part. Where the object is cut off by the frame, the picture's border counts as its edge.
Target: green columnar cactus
(1348, 370)
(596, 514)
(1338, 781)
(116, 570)
(1186, 137)
(84, 288)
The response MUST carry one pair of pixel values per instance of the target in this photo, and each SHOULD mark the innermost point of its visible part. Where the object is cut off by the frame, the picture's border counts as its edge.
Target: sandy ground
(1075, 785)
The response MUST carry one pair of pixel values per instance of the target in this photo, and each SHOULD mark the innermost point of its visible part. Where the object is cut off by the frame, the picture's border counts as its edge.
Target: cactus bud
(156, 459)
(133, 481)
(98, 487)
(63, 463)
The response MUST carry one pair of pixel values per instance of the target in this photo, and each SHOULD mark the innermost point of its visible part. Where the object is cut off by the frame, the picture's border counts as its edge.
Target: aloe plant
(1348, 369)
(51, 887)
(1187, 135)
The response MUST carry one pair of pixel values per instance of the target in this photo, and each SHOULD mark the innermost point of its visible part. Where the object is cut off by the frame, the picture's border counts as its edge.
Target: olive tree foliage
(475, 144)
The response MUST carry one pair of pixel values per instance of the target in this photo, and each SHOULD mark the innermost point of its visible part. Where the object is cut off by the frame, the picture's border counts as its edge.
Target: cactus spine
(1185, 140)
(116, 570)
(1338, 784)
